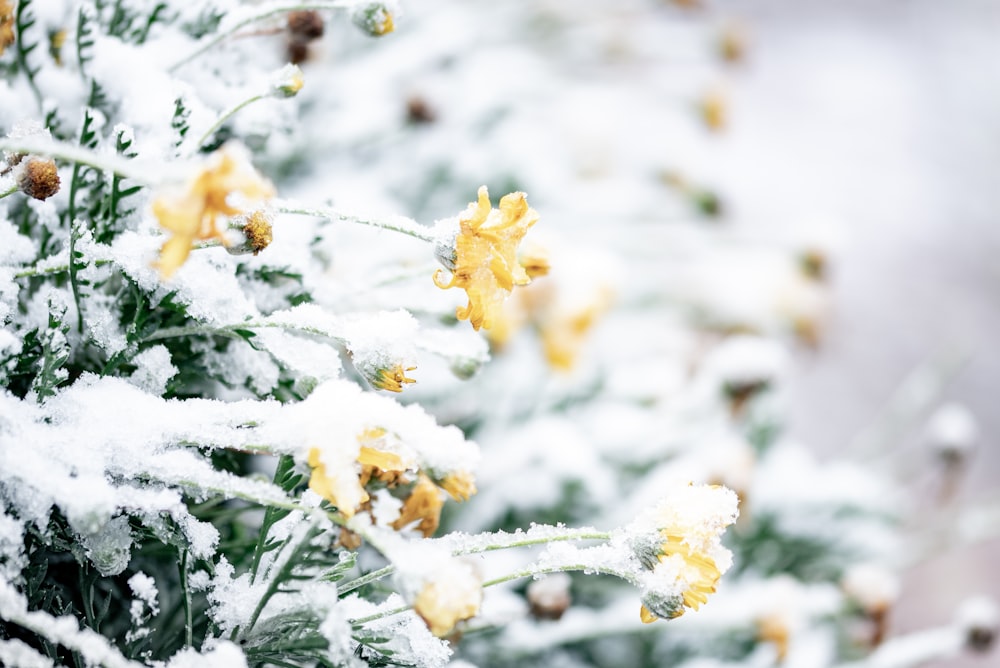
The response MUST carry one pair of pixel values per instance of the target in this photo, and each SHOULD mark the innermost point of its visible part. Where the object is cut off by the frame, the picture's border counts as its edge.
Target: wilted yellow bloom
(345, 488)
(485, 259)
(535, 261)
(191, 215)
(460, 485)
(424, 504)
(449, 599)
(6, 25)
(339, 487)
(393, 378)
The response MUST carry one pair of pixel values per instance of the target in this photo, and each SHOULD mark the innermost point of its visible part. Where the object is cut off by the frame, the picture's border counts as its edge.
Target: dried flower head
(6, 25)
(484, 259)
(253, 236)
(191, 214)
(39, 178)
(424, 505)
(549, 597)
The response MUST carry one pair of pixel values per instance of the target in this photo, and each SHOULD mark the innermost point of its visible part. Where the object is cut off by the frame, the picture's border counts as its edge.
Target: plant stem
(225, 116)
(6, 193)
(80, 156)
(55, 269)
(262, 14)
(186, 593)
(368, 578)
(399, 224)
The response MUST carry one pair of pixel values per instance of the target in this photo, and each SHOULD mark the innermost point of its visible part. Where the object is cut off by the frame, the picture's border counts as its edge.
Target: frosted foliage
(12, 557)
(110, 548)
(242, 423)
(153, 370)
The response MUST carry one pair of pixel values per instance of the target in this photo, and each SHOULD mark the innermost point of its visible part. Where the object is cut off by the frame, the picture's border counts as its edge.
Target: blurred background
(884, 115)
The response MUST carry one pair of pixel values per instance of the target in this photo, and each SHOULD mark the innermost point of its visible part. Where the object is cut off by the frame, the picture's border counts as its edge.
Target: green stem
(186, 598)
(55, 269)
(263, 15)
(226, 115)
(368, 578)
(402, 225)
(526, 573)
(7, 193)
(78, 155)
(231, 330)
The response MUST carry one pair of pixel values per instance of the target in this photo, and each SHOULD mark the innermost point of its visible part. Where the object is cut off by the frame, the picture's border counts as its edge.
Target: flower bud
(255, 235)
(375, 18)
(39, 178)
(288, 81)
(979, 619)
(549, 597)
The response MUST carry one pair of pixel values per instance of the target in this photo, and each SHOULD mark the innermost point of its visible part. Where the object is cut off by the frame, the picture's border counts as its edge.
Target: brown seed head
(39, 178)
(305, 25)
(258, 232)
(6, 24)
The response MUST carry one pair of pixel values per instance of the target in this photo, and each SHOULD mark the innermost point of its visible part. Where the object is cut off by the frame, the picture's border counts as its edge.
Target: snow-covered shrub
(208, 296)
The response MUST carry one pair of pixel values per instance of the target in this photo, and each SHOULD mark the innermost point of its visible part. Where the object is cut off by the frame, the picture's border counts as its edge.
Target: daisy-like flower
(483, 261)
(453, 595)
(679, 541)
(191, 214)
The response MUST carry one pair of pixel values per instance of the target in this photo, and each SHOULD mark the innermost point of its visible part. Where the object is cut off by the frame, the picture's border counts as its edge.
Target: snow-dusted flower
(392, 378)
(191, 214)
(451, 595)
(375, 18)
(6, 25)
(564, 330)
(460, 485)
(255, 235)
(288, 81)
(344, 486)
(679, 541)
(483, 261)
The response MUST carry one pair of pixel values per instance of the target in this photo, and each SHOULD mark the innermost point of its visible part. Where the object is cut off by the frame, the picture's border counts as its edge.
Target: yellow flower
(679, 541)
(485, 256)
(446, 600)
(393, 378)
(460, 485)
(6, 25)
(424, 504)
(345, 487)
(191, 216)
